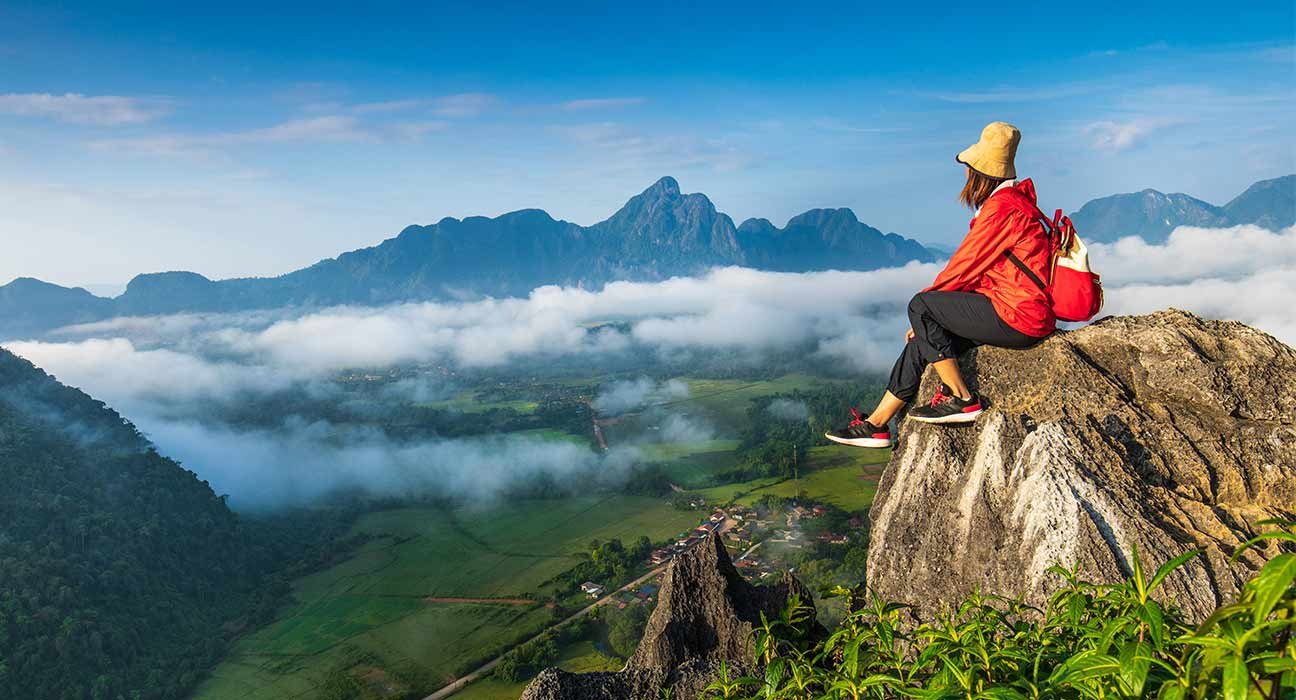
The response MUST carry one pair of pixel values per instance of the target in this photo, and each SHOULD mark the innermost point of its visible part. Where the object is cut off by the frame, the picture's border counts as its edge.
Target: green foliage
(607, 562)
(647, 480)
(1089, 641)
(775, 446)
(528, 659)
(625, 628)
(122, 575)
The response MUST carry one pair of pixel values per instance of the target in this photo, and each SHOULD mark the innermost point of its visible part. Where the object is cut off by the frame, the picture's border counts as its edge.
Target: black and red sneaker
(861, 433)
(944, 407)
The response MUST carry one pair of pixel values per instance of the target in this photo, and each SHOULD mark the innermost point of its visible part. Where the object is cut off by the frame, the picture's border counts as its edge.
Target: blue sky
(250, 140)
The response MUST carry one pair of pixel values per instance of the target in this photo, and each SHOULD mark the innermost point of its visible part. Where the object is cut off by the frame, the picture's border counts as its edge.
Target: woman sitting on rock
(982, 297)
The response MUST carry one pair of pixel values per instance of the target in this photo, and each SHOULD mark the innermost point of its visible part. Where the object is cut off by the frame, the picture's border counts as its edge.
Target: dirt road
(458, 684)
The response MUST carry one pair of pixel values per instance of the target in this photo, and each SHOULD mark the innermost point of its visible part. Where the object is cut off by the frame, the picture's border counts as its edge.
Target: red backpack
(1073, 289)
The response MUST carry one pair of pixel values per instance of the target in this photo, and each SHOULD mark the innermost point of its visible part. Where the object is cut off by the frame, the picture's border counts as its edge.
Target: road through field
(459, 683)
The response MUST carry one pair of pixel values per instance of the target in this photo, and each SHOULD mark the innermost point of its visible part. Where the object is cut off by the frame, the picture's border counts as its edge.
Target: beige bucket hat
(993, 155)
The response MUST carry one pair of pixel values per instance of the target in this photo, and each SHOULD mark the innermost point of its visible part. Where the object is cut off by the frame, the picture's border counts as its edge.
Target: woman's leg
(902, 387)
(886, 409)
(945, 324)
(950, 376)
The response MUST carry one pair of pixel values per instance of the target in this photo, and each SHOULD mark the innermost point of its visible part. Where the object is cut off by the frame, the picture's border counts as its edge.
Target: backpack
(1073, 289)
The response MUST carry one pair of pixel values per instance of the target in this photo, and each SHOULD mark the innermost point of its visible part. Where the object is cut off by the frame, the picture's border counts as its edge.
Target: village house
(592, 589)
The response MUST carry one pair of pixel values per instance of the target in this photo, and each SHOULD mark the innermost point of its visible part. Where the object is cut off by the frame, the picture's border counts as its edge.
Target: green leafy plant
(1088, 641)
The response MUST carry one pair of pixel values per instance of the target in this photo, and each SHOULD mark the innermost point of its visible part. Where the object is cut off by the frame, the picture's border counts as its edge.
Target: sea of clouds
(150, 368)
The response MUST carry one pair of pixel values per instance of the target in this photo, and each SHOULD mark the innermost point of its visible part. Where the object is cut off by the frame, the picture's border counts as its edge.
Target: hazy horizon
(156, 138)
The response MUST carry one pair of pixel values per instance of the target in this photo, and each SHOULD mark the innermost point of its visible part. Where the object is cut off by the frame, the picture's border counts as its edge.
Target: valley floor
(437, 592)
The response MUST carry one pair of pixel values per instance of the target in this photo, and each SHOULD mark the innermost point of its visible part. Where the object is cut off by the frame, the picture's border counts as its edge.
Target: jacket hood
(1027, 188)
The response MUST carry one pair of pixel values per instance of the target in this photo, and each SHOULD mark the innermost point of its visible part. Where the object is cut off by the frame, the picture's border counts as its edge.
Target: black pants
(946, 324)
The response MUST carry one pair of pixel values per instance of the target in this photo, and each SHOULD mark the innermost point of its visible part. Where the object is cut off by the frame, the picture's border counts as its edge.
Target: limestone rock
(1166, 432)
(704, 617)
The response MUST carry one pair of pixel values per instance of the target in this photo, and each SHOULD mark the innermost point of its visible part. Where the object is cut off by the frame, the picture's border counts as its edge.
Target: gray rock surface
(1166, 432)
(703, 618)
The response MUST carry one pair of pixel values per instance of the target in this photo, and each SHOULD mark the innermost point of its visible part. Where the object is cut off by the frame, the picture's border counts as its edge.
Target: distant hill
(122, 574)
(1152, 215)
(117, 566)
(1268, 203)
(824, 239)
(659, 233)
(29, 305)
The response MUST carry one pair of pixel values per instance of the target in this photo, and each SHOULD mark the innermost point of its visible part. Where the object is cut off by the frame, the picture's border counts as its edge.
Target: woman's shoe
(944, 408)
(861, 433)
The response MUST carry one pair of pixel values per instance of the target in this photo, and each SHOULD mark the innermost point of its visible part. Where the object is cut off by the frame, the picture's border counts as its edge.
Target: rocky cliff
(704, 617)
(1164, 432)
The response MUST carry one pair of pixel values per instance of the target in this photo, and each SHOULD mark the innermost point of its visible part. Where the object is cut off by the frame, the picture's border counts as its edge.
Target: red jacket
(1007, 221)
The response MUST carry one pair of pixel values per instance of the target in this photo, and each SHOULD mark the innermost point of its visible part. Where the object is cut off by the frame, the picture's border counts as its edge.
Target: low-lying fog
(164, 373)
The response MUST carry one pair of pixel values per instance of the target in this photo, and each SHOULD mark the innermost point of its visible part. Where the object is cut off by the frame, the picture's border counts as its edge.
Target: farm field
(691, 465)
(843, 476)
(435, 592)
(580, 657)
(726, 400)
(470, 401)
(375, 606)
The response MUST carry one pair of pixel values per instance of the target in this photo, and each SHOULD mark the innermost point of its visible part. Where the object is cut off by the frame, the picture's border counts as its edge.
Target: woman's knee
(918, 306)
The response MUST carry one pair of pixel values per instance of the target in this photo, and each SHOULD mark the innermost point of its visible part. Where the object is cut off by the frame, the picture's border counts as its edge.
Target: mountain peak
(1268, 203)
(665, 187)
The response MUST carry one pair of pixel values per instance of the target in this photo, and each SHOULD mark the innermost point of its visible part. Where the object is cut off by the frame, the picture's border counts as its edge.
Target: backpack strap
(1026, 271)
(1051, 229)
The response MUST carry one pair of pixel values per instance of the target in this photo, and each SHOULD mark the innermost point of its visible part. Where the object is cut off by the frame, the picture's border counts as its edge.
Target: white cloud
(1014, 93)
(1119, 136)
(151, 367)
(329, 128)
(73, 108)
(788, 410)
(602, 103)
(130, 376)
(1242, 273)
(413, 131)
(1194, 254)
(624, 150)
(301, 461)
(389, 106)
(468, 104)
(837, 125)
(726, 309)
(323, 129)
(629, 394)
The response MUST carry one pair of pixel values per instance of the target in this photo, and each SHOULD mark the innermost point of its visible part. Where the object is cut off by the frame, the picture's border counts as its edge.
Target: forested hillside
(122, 575)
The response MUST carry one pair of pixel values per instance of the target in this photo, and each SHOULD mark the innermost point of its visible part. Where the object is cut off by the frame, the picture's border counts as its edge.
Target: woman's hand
(909, 334)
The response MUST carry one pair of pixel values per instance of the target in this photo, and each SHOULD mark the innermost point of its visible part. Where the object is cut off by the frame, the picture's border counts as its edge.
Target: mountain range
(1152, 215)
(659, 233)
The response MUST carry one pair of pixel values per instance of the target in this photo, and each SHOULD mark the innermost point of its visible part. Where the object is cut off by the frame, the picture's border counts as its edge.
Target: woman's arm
(990, 236)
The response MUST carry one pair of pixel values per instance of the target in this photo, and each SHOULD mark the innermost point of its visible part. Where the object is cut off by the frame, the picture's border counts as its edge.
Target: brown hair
(978, 188)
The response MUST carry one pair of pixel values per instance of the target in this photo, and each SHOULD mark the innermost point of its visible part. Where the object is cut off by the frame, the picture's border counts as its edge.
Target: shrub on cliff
(1088, 641)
